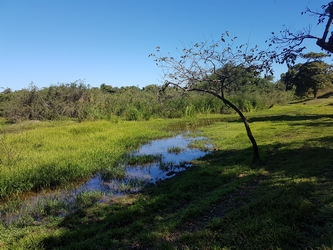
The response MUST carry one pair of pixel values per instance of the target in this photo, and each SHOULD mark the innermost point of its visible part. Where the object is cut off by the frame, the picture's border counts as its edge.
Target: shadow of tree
(274, 118)
(291, 118)
(326, 95)
(284, 202)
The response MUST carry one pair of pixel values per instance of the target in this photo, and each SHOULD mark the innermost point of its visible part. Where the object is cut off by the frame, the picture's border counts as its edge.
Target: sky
(46, 42)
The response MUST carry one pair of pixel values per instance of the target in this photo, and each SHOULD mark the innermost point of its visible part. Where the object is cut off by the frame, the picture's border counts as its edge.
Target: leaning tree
(213, 67)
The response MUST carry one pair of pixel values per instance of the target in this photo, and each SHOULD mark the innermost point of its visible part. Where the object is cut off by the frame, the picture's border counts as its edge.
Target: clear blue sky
(108, 41)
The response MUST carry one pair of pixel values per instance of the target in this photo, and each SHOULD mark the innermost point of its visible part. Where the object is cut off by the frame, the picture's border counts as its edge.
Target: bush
(78, 101)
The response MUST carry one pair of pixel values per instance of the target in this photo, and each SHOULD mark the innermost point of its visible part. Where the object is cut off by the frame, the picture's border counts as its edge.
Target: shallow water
(167, 165)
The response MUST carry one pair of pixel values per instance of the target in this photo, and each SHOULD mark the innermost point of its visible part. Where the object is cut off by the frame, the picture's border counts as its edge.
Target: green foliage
(313, 76)
(78, 101)
(62, 100)
(309, 77)
(313, 56)
(4, 97)
(107, 88)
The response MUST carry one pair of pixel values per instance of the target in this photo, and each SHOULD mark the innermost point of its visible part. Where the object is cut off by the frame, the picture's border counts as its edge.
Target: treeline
(80, 101)
(244, 87)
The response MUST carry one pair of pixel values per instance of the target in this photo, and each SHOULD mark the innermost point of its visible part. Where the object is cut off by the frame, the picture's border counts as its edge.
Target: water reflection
(166, 165)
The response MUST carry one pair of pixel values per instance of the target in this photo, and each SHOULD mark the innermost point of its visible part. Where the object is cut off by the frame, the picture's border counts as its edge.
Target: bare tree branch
(212, 68)
(289, 43)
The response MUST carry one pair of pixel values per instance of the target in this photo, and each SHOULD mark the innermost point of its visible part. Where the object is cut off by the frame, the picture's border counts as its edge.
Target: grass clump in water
(202, 144)
(175, 150)
(114, 172)
(142, 159)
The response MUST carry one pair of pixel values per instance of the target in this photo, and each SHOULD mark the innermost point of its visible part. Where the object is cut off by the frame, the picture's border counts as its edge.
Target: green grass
(222, 202)
(35, 156)
(202, 144)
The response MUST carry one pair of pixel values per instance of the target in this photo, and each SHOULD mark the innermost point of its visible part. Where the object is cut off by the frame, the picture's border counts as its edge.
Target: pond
(148, 165)
(169, 156)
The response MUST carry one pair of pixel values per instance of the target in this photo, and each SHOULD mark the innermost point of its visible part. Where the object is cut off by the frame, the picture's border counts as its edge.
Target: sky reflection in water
(167, 166)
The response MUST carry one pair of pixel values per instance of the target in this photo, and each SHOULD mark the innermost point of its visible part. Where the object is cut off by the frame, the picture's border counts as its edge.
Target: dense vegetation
(223, 202)
(78, 100)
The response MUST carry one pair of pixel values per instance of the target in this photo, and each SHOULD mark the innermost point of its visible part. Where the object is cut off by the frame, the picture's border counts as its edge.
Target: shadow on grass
(286, 118)
(291, 118)
(284, 202)
(326, 95)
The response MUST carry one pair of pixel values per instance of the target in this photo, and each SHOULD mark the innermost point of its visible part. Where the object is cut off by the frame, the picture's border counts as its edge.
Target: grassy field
(222, 202)
(38, 155)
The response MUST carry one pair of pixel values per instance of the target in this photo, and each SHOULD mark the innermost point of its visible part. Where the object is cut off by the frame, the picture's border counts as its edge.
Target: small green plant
(86, 199)
(113, 172)
(52, 206)
(175, 150)
(142, 159)
(202, 144)
(23, 221)
(190, 111)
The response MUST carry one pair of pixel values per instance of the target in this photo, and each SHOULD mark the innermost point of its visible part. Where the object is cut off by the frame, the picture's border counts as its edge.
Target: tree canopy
(309, 77)
(215, 68)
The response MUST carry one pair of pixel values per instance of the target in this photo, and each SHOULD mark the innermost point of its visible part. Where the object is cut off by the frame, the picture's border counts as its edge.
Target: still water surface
(167, 165)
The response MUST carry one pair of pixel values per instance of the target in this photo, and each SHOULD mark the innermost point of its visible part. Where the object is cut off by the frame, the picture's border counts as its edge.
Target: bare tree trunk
(256, 156)
(322, 42)
(327, 28)
(315, 94)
